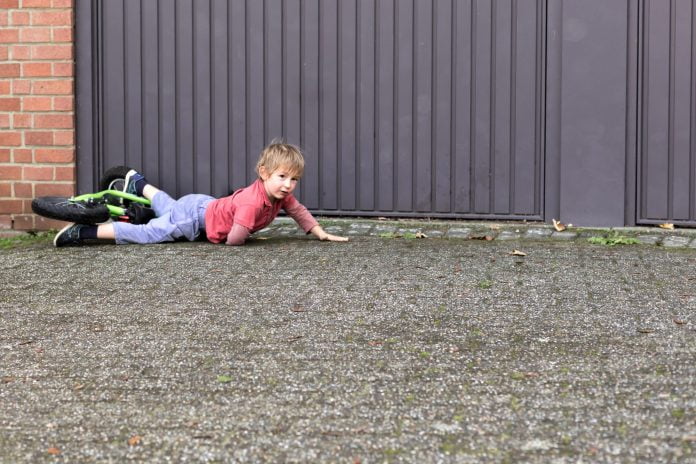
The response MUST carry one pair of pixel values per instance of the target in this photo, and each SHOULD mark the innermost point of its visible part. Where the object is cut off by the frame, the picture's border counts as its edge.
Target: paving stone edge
(471, 230)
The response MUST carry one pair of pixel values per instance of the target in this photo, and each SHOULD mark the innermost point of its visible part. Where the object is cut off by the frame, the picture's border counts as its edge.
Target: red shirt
(251, 208)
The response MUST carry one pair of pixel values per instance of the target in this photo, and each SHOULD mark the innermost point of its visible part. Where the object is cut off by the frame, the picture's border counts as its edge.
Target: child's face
(279, 183)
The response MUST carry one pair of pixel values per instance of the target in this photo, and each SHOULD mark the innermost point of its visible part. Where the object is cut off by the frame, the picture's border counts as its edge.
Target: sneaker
(68, 236)
(131, 179)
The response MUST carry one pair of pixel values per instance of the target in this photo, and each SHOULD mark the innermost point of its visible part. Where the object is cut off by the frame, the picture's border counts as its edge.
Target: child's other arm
(321, 234)
(238, 235)
(306, 221)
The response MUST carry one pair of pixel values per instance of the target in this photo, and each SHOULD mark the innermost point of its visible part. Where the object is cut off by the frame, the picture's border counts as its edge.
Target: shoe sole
(55, 239)
(126, 180)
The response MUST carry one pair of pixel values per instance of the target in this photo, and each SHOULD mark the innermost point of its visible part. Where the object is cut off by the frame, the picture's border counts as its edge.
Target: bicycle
(109, 203)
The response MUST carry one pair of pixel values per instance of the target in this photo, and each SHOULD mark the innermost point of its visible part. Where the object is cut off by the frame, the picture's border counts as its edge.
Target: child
(230, 219)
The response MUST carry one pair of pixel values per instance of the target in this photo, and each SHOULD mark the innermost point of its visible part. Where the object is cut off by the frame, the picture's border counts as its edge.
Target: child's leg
(162, 203)
(158, 230)
(184, 218)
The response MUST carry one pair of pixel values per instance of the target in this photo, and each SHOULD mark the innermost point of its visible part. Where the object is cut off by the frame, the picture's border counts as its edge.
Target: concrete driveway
(377, 350)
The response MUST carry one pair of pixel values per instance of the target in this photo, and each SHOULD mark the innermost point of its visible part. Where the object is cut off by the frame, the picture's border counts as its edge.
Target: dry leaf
(53, 451)
(679, 321)
(297, 309)
(559, 226)
(691, 438)
(375, 343)
(421, 235)
(495, 226)
(134, 440)
(646, 330)
(667, 225)
(518, 253)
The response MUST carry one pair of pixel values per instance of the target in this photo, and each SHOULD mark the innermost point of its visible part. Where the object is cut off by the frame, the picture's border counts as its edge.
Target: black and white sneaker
(132, 177)
(68, 236)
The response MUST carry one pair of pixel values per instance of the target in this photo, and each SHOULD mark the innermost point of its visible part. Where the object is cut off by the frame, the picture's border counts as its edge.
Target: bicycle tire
(110, 179)
(62, 209)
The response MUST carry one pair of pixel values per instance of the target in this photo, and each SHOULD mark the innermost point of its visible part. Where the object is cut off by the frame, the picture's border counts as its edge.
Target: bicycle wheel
(63, 209)
(114, 178)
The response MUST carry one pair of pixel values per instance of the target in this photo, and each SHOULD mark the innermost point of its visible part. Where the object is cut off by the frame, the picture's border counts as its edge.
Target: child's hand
(334, 238)
(321, 234)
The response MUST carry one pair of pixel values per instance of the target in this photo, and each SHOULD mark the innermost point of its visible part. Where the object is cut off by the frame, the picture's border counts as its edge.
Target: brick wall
(37, 123)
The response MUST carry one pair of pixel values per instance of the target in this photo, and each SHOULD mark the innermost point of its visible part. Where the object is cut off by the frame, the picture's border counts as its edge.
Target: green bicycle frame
(113, 209)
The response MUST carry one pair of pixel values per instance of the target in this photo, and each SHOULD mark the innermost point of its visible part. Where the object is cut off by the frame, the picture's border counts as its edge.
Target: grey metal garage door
(409, 107)
(667, 149)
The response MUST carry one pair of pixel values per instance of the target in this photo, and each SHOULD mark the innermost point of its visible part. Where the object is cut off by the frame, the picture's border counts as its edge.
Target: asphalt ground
(382, 349)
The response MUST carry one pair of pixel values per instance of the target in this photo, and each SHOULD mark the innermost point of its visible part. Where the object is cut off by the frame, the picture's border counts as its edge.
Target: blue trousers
(175, 219)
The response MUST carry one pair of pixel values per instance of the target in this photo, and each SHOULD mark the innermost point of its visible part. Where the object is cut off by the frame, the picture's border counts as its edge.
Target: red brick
(62, 138)
(23, 190)
(10, 172)
(62, 34)
(38, 138)
(4, 155)
(4, 120)
(20, 18)
(22, 155)
(37, 104)
(35, 34)
(20, 52)
(63, 70)
(53, 121)
(4, 87)
(62, 3)
(57, 87)
(65, 174)
(39, 223)
(26, 206)
(37, 70)
(4, 52)
(5, 222)
(11, 206)
(55, 155)
(9, 70)
(5, 190)
(63, 103)
(37, 173)
(9, 35)
(52, 52)
(4, 18)
(9, 3)
(22, 121)
(52, 18)
(36, 4)
(10, 104)
(56, 190)
(20, 87)
(24, 222)
(10, 139)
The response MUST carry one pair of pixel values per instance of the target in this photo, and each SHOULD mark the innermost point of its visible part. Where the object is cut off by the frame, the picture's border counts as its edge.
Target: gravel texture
(377, 350)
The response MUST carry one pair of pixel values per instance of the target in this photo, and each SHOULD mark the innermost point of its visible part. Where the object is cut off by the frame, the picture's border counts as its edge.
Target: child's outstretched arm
(306, 221)
(321, 234)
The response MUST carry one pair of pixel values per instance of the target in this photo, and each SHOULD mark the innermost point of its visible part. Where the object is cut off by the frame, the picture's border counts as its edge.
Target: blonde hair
(281, 155)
